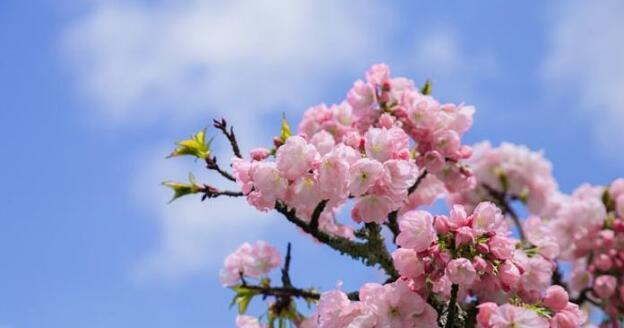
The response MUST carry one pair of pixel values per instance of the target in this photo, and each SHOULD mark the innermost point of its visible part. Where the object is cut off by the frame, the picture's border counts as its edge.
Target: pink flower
(251, 261)
(569, 317)
(501, 247)
(509, 274)
(604, 286)
(396, 306)
(542, 236)
(399, 175)
(385, 144)
(620, 205)
(509, 316)
(241, 169)
(334, 172)
(556, 298)
(323, 141)
(536, 275)
(336, 310)
(486, 217)
(464, 236)
(305, 194)
(371, 208)
(378, 74)
(460, 271)
(258, 154)
(268, 181)
(485, 313)
(408, 263)
(417, 230)
(361, 97)
(295, 157)
(363, 174)
(245, 321)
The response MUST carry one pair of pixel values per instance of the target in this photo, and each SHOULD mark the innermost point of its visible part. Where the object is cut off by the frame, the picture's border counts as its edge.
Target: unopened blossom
(555, 298)
(604, 286)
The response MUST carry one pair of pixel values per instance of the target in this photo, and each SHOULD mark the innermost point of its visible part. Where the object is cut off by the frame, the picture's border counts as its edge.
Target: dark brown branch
(212, 192)
(420, 178)
(211, 164)
(222, 125)
(316, 215)
(392, 222)
(452, 307)
(285, 271)
(584, 296)
(284, 292)
(370, 253)
(502, 200)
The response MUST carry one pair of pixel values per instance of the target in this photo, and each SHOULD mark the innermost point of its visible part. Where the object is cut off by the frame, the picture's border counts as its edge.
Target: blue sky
(95, 92)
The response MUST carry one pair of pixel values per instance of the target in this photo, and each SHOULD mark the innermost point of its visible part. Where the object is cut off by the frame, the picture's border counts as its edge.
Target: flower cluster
(249, 260)
(474, 251)
(513, 170)
(394, 305)
(553, 310)
(591, 224)
(384, 153)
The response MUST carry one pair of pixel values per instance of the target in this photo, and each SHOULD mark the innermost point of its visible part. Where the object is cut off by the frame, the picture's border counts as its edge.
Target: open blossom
(513, 169)
(249, 260)
(397, 306)
(509, 316)
(364, 174)
(417, 230)
(295, 157)
(371, 208)
(408, 263)
(460, 271)
(384, 144)
(604, 286)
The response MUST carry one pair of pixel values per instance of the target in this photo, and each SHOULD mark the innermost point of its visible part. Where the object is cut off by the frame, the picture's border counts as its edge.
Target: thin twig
(420, 178)
(316, 215)
(211, 164)
(222, 125)
(285, 271)
(212, 192)
(371, 256)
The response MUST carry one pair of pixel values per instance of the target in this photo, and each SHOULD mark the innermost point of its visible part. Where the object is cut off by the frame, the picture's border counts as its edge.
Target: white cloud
(587, 55)
(184, 58)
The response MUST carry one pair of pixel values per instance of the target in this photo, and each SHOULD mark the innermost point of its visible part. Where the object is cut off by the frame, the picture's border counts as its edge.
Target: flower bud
(556, 298)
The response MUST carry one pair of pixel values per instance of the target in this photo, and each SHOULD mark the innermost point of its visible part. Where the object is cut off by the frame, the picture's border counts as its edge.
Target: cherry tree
(387, 153)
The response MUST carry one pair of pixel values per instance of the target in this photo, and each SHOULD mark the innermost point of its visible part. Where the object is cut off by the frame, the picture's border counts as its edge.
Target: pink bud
(556, 298)
(482, 248)
(464, 236)
(509, 274)
(441, 225)
(603, 262)
(258, 154)
(386, 120)
(479, 264)
(604, 286)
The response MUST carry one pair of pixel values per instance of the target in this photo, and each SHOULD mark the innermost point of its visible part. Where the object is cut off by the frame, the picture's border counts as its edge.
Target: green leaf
(426, 89)
(285, 132)
(195, 146)
(182, 189)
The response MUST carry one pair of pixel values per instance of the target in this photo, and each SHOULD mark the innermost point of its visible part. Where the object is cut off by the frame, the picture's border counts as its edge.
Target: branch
(502, 200)
(452, 310)
(212, 192)
(392, 223)
(585, 297)
(211, 164)
(222, 125)
(285, 275)
(316, 215)
(369, 253)
(420, 178)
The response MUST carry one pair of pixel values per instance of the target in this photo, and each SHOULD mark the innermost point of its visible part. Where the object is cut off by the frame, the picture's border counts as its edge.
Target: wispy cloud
(587, 56)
